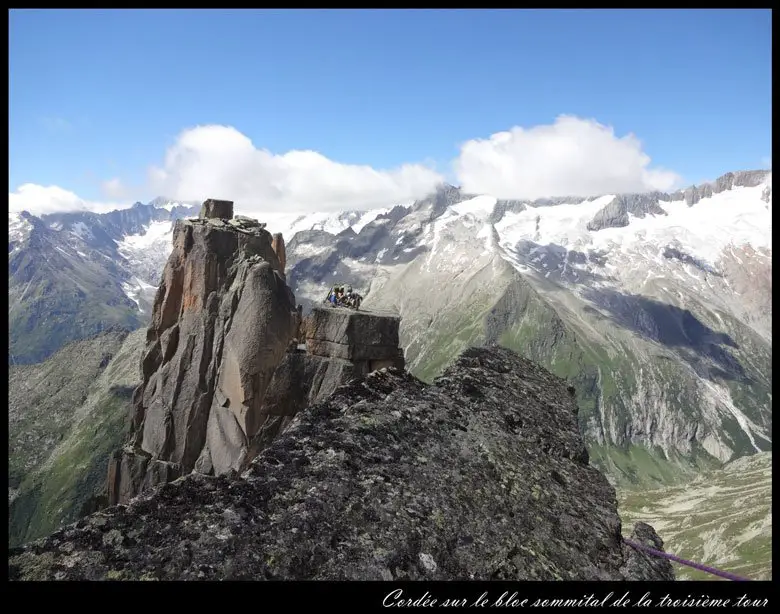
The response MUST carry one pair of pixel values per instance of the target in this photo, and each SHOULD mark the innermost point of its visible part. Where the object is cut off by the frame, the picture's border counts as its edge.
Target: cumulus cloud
(114, 189)
(39, 200)
(571, 157)
(220, 162)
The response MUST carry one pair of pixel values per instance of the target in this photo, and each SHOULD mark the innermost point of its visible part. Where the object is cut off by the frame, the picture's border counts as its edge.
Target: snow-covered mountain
(72, 275)
(657, 307)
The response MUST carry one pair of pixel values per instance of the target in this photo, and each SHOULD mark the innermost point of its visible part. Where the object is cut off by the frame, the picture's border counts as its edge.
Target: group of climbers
(341, 295)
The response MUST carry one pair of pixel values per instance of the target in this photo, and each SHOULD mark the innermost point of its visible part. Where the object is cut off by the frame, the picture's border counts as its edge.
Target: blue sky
(99, 95)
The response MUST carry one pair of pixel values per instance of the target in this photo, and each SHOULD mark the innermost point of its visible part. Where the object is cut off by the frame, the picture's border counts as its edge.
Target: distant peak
(165, 202)
(160, 201)
(26, 215)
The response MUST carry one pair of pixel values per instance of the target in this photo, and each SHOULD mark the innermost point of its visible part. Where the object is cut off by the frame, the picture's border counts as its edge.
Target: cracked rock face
(218, 209)
(358, 336)
(278, 246)
(482, 475)
(222, 373)
(222, 321)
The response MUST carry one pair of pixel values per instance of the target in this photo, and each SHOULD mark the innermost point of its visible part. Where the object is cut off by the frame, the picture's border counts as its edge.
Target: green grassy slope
(55, 298)
(722, 519)
(69, 476)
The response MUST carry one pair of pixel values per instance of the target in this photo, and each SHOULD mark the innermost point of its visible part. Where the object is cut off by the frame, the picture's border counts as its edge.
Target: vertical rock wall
(222, 321)
(222, 372)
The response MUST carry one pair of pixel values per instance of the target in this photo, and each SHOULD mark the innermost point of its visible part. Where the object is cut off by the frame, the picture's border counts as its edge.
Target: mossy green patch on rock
(331, 499)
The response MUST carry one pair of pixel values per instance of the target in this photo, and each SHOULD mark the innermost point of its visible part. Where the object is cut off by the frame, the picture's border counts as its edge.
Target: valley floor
(722, 519)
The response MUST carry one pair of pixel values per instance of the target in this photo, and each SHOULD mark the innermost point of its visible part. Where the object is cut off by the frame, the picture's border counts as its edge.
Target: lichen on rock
(481, 475)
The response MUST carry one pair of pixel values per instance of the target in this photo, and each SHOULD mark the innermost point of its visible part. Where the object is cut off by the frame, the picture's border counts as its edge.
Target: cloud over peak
(220, 161)
(40, 200)
(570, 157)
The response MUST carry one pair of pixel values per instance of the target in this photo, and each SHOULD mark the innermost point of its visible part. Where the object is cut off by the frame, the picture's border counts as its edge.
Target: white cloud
(39, 200)
(220, 162)
(114, 189)
(571, 157)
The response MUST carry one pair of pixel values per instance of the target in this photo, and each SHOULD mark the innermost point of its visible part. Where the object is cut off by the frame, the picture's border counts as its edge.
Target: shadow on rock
(676, 328)
(557, 263)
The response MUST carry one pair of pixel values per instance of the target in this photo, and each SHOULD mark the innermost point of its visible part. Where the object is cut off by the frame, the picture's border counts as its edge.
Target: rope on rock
(677, 559)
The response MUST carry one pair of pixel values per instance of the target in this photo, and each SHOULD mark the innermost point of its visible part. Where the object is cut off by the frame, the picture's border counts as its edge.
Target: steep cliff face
(222, 373)
(481, 475)
(367, 339)
(222, 321)
(340, 345)
(278, 246)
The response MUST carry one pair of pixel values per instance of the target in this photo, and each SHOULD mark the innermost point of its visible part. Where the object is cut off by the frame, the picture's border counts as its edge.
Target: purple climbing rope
(677, 559)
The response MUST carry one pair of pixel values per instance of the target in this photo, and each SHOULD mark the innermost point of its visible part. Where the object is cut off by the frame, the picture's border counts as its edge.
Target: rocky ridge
(223, 369)
(615, 214)
(481, 475)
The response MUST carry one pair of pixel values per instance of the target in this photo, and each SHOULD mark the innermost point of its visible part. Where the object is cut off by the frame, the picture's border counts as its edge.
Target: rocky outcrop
(300, 380)
(222, 373)
(616, 213)
(368, 340)
(217, 209)
(482, 475)
(339, 345)
(641, 565)
(747, 179)
(222, 321)
(278, 246)
(766, 194)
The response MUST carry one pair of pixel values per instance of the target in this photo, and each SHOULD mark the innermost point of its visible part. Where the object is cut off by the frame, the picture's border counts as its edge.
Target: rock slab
(217, 209)
(278, 246)
(358, 336)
